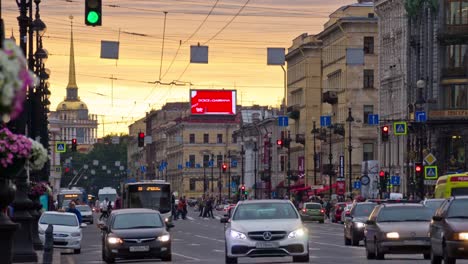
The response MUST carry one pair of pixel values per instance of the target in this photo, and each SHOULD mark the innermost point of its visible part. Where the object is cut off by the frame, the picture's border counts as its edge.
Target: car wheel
(435, 259)
(167, 257)
(347, 241)
(77, 251)
(304, 258)
(377, 253)
(354, 240)
(369, 254)
(105, 258)
(447, 259)
(229, 260)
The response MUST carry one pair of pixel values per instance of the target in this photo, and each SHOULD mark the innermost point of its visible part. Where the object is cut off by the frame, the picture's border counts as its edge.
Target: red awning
(300, 189)
(326, 188)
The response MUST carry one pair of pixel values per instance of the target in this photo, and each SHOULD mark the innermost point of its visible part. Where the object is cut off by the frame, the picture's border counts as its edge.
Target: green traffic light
(92, 17)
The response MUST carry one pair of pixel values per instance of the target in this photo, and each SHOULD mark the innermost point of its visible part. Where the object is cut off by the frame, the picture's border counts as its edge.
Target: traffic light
(141, 139)
(242, 190)
(224, 166)
(74, 144)
(384, 133)
(418, 168)
(383, 180)
(93, 12)
(279, 143)
(382, 174)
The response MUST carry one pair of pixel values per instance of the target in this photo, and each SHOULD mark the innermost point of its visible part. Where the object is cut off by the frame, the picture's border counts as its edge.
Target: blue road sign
(395, 180)
(233, 185)
(400, 128)
(325, 121)
(143, 169)
(210, 163)
(197, 165)
(233, 163)
(283, 121)
(357, 185)
(187, 164)
(420, 116)
(179, 166)
(373, 119)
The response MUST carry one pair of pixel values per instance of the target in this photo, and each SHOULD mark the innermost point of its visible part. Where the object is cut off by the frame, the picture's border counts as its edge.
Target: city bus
(452, 185)
(155, 194)
(65, 196)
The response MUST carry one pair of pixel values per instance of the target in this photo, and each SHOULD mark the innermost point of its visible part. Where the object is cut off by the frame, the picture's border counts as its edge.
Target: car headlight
(393, 235)
(166, 220)
(114, 240)
(76, 234)
(164, 238)
(237, 235)
(463, 236)
(297, 233)
(359, 224)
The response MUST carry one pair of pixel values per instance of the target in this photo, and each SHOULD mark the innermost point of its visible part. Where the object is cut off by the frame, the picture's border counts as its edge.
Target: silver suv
(265, 228)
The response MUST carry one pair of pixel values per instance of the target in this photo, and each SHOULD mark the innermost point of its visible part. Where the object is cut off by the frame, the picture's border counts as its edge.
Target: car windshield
(137, 220)
(458, 209)
(260, 211)
(433, 204)
(364, 209)
(404, 213)
(83, 208)
(313, 206)
(59, 219)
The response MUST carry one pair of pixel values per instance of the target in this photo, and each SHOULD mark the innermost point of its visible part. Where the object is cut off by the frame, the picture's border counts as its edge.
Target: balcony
(455, 72)
(453, 34)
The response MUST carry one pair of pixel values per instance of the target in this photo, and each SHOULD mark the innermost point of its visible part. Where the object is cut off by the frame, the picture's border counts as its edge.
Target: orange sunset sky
(237, 54)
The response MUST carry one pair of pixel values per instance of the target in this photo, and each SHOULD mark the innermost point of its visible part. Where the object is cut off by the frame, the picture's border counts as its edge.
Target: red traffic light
(141, 135)
(385, 129)
(382, 173)
(418, 167)
(224, 166)
(74, 141)
(243, 187)
(279, 142)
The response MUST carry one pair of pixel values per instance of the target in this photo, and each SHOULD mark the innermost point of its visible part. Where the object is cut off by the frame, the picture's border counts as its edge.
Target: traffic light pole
(229, 175)
(220, 185)
(330, 166)
(212, 171)
(288, 145)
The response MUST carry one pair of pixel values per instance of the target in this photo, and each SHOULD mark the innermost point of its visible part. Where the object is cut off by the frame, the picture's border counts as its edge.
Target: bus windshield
(152, 196)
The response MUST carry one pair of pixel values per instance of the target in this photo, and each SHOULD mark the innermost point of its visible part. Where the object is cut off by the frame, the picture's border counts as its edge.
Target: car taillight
(322, 211)
(304, 210)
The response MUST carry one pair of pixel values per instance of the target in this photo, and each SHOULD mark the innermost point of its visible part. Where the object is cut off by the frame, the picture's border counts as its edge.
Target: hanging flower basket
(14, 151)
(37, 189)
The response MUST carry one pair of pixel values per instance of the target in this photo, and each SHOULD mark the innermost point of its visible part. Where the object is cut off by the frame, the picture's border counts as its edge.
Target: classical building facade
(349, 75)
(304, 77)
(136, 156)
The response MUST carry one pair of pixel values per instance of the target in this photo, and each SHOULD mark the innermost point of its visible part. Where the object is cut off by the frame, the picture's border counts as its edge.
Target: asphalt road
(198, 240)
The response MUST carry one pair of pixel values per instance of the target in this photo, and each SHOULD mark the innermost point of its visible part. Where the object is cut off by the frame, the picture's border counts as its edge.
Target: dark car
(449, 231)
(397, 229)
(136, 234)
(354, 222)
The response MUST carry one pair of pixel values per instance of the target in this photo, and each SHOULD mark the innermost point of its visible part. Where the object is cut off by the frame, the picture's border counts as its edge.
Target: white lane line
(184, 256)
(336, 245)
(210, 238)
(314, 249)
(193, 244)
(217, 217)
(190, 218)
(218, 250)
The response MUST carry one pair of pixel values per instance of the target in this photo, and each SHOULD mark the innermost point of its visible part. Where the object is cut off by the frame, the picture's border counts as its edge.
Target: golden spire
(71, 71)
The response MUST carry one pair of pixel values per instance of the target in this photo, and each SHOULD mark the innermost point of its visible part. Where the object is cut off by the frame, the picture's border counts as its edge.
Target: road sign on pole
(325, 121)
(283, 121)
(430, 173)
(373, 119)
(400, 128)
(60, 147)
(420, 116)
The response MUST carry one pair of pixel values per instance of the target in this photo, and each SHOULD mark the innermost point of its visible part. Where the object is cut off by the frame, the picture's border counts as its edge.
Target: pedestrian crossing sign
(430, 173)
(60, 147)
(400, 128)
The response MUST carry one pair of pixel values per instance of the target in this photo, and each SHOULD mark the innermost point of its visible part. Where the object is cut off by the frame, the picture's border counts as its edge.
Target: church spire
(71, 71)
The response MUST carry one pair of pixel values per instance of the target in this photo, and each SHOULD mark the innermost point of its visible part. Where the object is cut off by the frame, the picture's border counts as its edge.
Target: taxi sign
(430, 172)
(60, 147)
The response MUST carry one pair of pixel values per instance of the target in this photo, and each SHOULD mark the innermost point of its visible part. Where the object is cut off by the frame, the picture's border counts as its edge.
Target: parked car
(313, 212)
(265, 228)
(86, 213)
(336, 211)
(354, 222)
(397, 229)
(433, 204)
(346, 211)
(136, 233)
(449, 231)
(67, 229)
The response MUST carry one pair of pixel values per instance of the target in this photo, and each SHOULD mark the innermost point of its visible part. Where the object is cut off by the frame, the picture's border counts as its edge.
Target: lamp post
(242, 153)
(220, 182)
(229, 174)
(204, 176)
(350, 119)
(212, 172)
(255, 149)
(315, 131)
(419, 105)
(287, 143)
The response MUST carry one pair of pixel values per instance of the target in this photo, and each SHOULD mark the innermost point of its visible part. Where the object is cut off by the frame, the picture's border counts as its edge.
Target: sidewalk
(55, 260)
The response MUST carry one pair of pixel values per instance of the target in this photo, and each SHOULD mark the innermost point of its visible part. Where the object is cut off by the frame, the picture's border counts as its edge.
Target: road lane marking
(314, 249)
(190, 218)
(218, 250)
(184, 256)
(210, 238)
(335, 245)
(193, 244)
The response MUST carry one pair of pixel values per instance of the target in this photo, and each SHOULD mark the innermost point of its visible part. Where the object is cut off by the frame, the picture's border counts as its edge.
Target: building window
(456, 96)
(368, 45)
(192, 161)
(206, 138)
(219, 159)
(192, 138)
(368, 151)
(457, 56)
(368, 110)
(457, 12)
(282, 162)
(219, 138)
(368, 79)
(192, 184)
(234, 140)
(206, 160)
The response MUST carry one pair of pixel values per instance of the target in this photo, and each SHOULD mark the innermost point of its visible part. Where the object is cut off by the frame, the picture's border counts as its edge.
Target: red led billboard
(213, 102)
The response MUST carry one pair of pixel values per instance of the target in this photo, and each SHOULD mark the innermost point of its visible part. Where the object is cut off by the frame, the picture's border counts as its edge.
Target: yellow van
(452, 185)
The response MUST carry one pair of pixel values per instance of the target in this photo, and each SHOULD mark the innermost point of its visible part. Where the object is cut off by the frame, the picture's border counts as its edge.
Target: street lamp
(315, 131)
(242, 153)
(419, 106)
(350, 119)
(255, 149)
(212, 168)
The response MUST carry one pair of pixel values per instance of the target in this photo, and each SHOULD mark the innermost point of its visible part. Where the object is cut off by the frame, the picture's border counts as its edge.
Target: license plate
(415, 242)
(267, 245)
(139, 249)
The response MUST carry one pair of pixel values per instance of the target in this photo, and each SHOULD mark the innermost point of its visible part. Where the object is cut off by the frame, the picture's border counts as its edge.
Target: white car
(265, 228)
(86, 213)
(67, 230)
